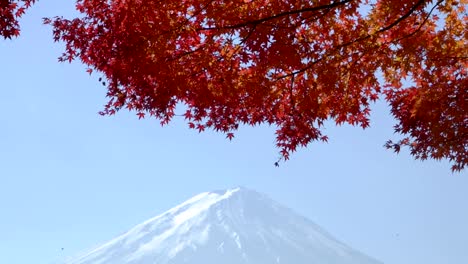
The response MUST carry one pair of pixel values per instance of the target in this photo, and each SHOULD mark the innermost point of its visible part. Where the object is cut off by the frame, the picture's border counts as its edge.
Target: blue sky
(72, 179)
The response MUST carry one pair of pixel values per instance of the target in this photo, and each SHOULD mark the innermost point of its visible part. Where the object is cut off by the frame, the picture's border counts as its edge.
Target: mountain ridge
(234, 226)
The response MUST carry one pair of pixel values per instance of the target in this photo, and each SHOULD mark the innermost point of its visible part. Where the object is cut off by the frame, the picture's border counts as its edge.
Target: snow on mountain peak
(230, 226)
(198, 204)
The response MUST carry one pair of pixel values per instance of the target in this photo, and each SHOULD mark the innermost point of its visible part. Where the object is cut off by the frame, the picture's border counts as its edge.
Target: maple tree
(290, 63)
(10, 11)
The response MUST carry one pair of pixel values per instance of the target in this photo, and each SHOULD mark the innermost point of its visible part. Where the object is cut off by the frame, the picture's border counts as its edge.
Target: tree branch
(286, 13)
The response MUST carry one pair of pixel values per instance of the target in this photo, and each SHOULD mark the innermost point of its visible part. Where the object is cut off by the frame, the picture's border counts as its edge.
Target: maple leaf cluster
(293, 64)
(10, 12)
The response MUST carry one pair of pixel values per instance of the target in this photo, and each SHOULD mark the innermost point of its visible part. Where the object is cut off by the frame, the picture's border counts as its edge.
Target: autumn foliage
(293, 64)
(10, 11)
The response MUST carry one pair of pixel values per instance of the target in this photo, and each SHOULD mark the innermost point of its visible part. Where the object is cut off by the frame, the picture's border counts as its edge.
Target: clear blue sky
(71, 178)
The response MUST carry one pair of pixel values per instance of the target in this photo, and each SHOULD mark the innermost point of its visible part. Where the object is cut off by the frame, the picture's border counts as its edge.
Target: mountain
(237, 226)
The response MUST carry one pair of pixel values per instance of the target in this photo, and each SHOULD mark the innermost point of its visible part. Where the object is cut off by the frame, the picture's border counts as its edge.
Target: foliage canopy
(10, 11)
(290, 63)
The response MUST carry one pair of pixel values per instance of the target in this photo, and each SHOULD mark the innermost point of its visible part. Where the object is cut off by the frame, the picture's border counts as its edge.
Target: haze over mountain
(236, 226)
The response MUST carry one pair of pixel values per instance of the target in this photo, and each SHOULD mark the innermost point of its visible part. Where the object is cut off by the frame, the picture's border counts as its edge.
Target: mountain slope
(237, 226)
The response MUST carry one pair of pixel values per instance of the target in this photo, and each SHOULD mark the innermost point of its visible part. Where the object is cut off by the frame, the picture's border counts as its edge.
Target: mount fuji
(236, 226)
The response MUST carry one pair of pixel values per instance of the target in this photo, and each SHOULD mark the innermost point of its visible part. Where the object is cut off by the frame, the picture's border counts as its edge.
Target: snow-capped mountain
(237, 226)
